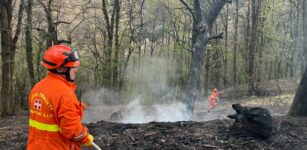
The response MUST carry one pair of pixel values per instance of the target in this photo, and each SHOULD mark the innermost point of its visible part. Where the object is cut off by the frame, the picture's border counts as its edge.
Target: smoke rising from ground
(150, 94)
(159, 112)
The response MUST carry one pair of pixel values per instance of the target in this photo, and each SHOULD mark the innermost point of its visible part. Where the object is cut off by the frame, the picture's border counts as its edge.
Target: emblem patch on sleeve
(38, 104)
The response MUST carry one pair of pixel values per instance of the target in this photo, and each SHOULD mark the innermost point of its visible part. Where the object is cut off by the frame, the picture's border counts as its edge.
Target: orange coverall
(55, 116)
(213, 99)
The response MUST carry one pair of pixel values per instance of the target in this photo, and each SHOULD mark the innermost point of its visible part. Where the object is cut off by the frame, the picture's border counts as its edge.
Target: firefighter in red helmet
(55, 112)
(213, 98)
(61, 59)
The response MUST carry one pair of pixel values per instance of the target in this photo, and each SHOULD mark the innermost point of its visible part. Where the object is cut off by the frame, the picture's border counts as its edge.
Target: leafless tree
(8, 45)
(199, 49)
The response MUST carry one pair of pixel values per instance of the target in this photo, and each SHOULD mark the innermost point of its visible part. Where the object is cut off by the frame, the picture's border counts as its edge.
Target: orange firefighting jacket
(214, 96)
(55, 116)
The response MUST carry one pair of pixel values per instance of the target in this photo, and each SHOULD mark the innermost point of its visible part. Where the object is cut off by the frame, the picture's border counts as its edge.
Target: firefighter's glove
(89, 143)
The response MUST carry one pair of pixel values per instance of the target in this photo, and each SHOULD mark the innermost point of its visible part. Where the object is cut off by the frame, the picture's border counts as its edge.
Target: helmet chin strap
(67, 73)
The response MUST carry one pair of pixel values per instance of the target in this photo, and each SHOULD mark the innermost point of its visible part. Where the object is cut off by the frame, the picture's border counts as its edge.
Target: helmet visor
(73, 56)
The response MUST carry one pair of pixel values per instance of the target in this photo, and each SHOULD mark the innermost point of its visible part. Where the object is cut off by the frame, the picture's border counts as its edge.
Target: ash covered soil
(288, 132)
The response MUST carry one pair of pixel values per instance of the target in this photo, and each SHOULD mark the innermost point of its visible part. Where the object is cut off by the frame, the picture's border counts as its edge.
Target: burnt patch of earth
(288, 133)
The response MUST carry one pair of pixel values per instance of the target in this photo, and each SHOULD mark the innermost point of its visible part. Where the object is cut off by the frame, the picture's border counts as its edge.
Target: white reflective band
(43, 126)
(81, 136)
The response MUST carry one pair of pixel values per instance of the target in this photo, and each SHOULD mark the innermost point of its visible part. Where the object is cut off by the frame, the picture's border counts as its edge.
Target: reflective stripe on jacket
(55, 116)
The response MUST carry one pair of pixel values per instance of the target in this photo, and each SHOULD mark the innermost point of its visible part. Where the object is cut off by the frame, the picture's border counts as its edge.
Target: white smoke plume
(149, 95)
(137, 113)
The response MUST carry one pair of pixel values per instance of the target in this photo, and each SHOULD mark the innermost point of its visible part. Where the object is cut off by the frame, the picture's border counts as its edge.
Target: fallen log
(251, 121)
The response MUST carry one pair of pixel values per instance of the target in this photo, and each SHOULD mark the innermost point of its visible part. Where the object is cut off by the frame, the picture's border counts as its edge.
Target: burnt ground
(288, 132)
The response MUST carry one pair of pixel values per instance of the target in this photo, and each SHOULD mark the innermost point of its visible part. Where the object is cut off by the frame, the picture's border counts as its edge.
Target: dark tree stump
(251, 121)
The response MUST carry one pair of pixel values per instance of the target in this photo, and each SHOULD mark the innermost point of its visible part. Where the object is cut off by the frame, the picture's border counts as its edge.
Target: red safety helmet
(60, 56)
(214, 90)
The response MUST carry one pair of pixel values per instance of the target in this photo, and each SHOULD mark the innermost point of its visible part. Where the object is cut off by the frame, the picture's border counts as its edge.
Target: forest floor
(209, 130)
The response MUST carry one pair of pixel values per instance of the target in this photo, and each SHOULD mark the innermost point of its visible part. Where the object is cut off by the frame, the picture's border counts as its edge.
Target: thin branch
(218, 36)
(64, 22)
(190, 10)
(65, 41)
(45, 8)
(76, 26)
(20, 14)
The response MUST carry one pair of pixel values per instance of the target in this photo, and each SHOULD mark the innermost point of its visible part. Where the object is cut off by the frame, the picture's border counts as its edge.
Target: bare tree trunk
(299, 105)
(253, 47)
(116, 55)
(8, 45)
(292, 31)
(261, 43)
(51, 34)
(197, 18)
(226, 48)
(207, 73)
(305, 33)
(6, 33)
(41, 47)
(12, 55)
(29, 42)
(152, 48)
(270, 69)
(296, 40)
(260, 55)
(247, 41)
(110, 27)
(235, 46)
(199, 49)
(216, 62)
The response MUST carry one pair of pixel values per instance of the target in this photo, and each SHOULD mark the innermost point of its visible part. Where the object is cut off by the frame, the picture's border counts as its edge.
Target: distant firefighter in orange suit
(213, 98)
